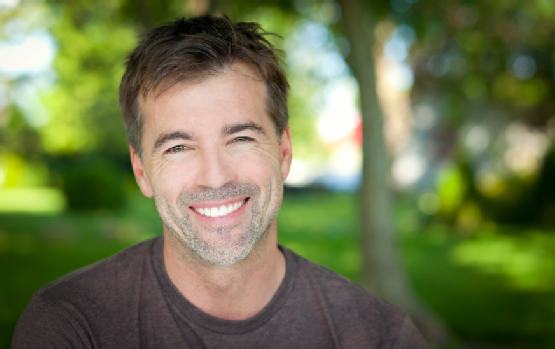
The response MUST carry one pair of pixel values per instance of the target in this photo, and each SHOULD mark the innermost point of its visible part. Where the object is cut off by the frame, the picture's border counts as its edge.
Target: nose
(214, 169)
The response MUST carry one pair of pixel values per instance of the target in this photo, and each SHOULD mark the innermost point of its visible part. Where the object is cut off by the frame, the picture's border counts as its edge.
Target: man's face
(213, 163)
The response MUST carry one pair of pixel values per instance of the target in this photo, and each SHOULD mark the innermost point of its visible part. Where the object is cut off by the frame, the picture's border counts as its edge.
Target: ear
(286, 152)
(140, 175)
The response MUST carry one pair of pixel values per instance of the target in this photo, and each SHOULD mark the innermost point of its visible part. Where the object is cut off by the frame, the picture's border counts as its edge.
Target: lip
(229, 218)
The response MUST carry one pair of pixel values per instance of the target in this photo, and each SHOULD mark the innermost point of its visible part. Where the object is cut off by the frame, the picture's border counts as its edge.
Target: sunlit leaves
(451, 188)
(83, 104)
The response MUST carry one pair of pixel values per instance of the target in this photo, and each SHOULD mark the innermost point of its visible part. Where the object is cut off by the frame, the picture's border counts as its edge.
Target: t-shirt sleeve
(43, 325)
(409, 337)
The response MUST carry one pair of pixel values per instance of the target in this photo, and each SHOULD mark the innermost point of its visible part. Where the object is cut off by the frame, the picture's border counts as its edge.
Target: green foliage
(93, 184)
(479, 42)
(452, 189)
(528, 93)
(16, 136)
(510, 199)
(83, 106)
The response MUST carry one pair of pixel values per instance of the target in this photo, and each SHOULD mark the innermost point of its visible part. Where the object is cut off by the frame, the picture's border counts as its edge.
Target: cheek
(168, 179)
(258, 160)
(165, 166)
(259, 169)
(267, 176)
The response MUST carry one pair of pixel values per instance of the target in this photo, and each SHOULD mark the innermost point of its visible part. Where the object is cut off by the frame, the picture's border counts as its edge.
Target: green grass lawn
(495, 288)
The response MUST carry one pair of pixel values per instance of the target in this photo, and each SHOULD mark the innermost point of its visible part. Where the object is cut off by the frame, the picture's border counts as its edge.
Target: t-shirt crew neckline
(186, 309)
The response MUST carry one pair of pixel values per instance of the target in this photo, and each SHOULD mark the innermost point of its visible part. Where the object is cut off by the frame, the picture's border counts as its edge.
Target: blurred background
(466, 90)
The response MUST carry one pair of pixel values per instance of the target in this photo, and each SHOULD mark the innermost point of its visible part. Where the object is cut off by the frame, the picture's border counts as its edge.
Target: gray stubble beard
(226, 250)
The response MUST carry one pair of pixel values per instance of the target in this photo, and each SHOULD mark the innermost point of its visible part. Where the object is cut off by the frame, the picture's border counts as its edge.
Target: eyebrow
(239, 127)
(226, 131)
(165, 137)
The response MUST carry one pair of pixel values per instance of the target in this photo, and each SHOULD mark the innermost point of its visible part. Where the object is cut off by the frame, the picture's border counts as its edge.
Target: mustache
(227, 191)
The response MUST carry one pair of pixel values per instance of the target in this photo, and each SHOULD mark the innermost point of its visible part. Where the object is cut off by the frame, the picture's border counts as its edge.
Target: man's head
(209, 137)
(192, 50)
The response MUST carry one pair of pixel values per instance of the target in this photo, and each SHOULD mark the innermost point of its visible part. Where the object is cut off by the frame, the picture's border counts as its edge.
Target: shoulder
(69, 311)
(341, 292)
(103, 275)
(43, 325)
(358, 315)
(126, 260)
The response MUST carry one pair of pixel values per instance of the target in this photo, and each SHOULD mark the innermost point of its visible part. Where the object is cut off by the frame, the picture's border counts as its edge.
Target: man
(205, 107)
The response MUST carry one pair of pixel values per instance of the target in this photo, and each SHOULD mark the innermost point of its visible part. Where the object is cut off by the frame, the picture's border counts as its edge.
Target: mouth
(220, 210)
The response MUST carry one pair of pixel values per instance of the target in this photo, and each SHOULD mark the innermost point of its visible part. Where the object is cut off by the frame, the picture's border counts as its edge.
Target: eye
(176, 149)
(242, 139)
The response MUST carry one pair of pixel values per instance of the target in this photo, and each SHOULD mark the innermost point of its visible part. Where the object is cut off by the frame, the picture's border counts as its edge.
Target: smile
(219, 211)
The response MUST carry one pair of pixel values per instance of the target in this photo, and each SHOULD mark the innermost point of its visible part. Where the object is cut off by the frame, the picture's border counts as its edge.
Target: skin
(206, 145)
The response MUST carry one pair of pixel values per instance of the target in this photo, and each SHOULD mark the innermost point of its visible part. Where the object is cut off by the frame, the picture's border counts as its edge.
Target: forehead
(237, 91)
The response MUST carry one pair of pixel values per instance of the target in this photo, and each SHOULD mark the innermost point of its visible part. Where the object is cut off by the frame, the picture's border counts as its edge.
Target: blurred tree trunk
(216, 6)
(200, 7)
(382, 270)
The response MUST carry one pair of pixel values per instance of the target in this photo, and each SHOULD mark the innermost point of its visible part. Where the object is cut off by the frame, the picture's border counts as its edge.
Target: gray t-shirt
(128, 301)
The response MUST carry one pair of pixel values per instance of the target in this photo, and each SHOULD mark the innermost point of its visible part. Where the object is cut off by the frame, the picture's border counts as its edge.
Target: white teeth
(219, 212)
(223, 211)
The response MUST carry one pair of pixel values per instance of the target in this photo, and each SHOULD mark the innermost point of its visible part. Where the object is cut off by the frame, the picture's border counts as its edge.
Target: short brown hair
(191, 50)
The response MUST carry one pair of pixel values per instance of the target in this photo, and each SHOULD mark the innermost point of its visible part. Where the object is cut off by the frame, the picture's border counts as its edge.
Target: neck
(234, 292)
